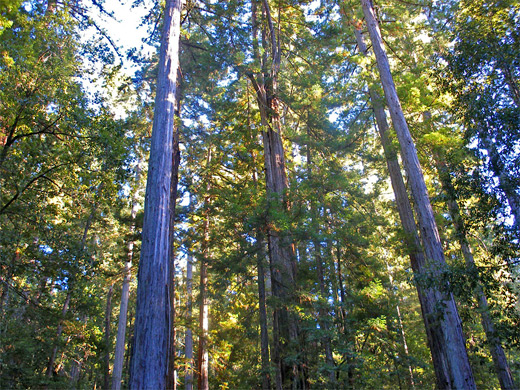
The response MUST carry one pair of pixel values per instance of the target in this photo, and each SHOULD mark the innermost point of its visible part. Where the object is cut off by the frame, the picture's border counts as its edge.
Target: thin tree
(322, 310)
(117, 370)
(203, 357)
(65, 308)
(152, 343)
(260, 259)
(108, 321)
(400, 325)
(188, 344)
(176, 160)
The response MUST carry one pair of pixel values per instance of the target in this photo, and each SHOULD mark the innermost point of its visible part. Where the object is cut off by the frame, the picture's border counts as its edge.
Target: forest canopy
(301, 194)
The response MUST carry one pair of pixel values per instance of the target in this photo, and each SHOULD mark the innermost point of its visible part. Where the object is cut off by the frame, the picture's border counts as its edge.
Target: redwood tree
(449, 355)
(150, 360)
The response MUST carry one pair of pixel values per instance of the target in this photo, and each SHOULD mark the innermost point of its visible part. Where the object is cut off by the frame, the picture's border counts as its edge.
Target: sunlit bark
(450, 358)
(152, 343)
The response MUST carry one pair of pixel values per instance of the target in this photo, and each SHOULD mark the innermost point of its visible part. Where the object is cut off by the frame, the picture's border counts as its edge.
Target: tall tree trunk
(404, 208)
(260, 245)
(108, 315)
(264, 334)
(117, 370)
(450, 357)
(281, 249)
(495, 346)
(4, 299)
(324, 317)
(151, 358)
(405, 345)
(347, 356)
(128, 357)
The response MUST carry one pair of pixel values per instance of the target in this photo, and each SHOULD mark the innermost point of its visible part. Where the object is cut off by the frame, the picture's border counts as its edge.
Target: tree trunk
(150, 362)
(281, 249)
(119, 354)
(404, 209)
(260, 245)
(347, 356)
(405, 346)
(171, 382)
(128, 357)
(203, 357)
(188, 345)
(324, 318)
(117, 369)
(264, 336)
(4, 299)
(495, 346)
(401, 327)
(108, 315)
(52, 359)
(449, 355)
(202, 362)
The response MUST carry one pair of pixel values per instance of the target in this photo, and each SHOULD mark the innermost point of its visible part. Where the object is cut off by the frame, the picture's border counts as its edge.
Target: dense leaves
(68, 181)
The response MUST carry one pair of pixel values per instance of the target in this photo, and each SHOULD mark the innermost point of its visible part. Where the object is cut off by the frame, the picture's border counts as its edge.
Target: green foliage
(62, 169)
(67, 175)
(482, 75)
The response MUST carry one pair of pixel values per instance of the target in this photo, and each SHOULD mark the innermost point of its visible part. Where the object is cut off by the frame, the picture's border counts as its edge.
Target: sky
(124, 28)
(125, 33)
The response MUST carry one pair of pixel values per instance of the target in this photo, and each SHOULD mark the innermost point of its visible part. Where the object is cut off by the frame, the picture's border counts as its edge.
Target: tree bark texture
(450, 358)
(261, 258)
(280, 248)
(428, 297)
(150, 362)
